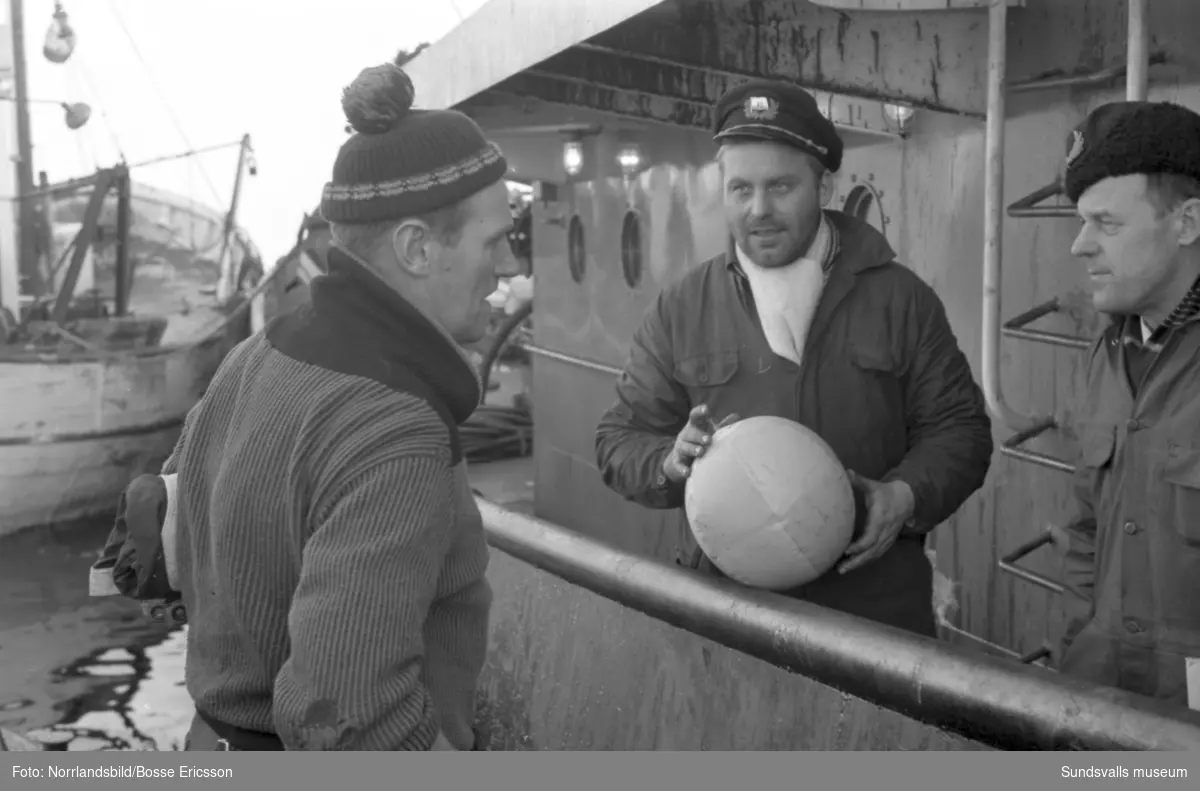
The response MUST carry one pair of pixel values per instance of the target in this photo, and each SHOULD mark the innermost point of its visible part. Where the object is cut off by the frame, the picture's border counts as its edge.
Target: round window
(576, 252)
(631, 248)
(863, 204)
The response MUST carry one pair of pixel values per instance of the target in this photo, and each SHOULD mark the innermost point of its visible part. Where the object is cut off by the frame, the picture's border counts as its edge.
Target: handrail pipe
(1137, 56)
(993, 701)
(993, 229)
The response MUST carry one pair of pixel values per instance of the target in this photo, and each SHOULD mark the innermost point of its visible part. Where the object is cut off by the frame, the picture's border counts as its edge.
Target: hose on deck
(493, 432)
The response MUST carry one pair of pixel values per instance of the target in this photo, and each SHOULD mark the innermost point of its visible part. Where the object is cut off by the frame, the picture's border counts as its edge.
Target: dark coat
(883, 382)
(1133, 564)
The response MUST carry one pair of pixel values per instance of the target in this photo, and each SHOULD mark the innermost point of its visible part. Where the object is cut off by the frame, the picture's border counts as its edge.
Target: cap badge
(761, 108)
(1076, 147)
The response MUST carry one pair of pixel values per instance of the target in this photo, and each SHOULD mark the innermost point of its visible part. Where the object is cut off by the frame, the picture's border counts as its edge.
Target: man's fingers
(857, 561)
(695, 435)
(867, 540)
(699, 417)
(688, 450)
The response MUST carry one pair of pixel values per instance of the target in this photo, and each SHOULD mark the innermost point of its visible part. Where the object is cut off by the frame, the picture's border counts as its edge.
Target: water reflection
(137, 700)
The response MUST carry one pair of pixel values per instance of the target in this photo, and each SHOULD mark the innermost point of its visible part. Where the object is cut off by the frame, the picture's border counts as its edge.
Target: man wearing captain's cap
(1132, 554)
(831, 332)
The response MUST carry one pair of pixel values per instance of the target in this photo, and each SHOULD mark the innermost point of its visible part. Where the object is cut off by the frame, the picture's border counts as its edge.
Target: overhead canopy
(505, 37)
(669, 60)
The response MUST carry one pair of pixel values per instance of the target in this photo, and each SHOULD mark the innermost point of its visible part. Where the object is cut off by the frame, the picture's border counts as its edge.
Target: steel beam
(930, 60)
(660, 78)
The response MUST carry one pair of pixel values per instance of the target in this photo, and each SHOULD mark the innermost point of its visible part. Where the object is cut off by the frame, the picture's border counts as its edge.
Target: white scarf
(787, 296)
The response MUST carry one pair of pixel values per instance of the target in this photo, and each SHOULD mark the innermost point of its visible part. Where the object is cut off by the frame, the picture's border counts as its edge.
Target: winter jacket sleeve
(950, 433)
(638, 431)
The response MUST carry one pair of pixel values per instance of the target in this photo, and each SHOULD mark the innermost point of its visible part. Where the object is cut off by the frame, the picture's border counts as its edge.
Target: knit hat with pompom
(403, 162)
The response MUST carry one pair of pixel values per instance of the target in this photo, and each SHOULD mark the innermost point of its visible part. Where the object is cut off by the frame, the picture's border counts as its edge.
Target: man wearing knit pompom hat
(1132, 553)
(333, 557)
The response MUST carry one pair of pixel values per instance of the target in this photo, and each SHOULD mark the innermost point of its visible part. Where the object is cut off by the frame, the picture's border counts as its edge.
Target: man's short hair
(365, 239)
(1167, 191)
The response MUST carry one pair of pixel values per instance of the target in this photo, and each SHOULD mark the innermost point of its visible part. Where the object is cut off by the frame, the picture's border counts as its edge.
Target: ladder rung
(1089, 79)
(1028, 205)
(1036, 212)
(1051, 338)
(1036, 655)
(1015, 328)
(1008, 563)
(1011, 447)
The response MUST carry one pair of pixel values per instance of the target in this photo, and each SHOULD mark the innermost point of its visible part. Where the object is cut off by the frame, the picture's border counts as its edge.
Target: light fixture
(60, 37)
(898, 115)
(630, 159)
(573, 157)
(75, 114)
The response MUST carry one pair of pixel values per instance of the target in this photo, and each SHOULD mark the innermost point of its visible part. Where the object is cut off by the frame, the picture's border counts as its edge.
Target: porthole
(576, 252)
(631, 248)
(863, 203)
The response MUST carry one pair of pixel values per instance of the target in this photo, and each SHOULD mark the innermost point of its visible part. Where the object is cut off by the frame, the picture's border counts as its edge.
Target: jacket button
(1130, 528)
(703, 378)
(1132, 626)
(1132, 425)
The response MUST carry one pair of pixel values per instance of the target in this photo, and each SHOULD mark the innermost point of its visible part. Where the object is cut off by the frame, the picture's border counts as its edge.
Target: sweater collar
(370, 314)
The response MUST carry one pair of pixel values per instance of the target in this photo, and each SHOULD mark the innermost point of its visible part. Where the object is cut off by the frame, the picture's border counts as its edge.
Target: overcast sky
(217, 69)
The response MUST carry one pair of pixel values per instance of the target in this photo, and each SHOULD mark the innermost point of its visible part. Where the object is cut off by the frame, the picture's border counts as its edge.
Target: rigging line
(162, 97)
(84, 75)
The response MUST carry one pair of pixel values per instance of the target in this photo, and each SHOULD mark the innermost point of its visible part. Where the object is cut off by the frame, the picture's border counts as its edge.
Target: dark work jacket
(1133, 563)
(883, 382)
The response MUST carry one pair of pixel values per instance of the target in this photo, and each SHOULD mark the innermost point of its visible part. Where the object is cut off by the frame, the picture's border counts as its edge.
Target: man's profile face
(1128, 245)
(772, 199)
(465, 274)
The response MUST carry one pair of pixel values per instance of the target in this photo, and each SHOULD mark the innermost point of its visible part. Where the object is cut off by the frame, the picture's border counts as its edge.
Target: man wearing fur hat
(807, 317)
(331, 554)
(1132, 555)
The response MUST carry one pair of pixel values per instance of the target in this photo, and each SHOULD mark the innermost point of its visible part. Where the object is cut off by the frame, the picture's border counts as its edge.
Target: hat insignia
(1076, 147)
(761, 108)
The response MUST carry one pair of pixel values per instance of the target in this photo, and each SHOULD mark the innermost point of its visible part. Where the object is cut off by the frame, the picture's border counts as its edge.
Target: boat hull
(75, 430)
(569, 669)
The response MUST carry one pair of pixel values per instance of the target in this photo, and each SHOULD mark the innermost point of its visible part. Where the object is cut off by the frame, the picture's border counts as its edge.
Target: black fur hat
(1122, 138)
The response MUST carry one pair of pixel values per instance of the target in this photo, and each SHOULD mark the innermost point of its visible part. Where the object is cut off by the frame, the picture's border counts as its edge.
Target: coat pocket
(1181, 473)
(706, 370)
(1097, 442)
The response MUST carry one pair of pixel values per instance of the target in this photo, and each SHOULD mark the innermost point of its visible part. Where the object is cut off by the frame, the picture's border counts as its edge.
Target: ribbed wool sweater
(332, 557)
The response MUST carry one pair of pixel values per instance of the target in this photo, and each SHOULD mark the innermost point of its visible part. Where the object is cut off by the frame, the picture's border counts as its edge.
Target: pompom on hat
(1125, 138)
(404, 162)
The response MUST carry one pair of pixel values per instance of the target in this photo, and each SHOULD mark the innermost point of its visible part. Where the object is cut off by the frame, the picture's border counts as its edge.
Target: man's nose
(1084, 244)
(508, 265)
(760, 204)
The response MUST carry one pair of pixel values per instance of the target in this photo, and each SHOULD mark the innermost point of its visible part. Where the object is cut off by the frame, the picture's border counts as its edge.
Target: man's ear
(1189, 222)
(411, 243)
(828, 185)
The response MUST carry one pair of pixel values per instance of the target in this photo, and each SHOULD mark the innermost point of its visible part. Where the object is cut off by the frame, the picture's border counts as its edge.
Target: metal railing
(987, 699)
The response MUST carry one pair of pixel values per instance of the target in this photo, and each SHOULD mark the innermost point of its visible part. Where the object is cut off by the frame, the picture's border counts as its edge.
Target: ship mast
(26, 217)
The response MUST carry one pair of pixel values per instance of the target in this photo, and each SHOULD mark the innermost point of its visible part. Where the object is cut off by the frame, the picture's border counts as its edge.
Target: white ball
(770, 504)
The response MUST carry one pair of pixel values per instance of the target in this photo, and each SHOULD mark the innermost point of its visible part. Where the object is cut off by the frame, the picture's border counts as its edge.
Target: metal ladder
(1026, 428)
